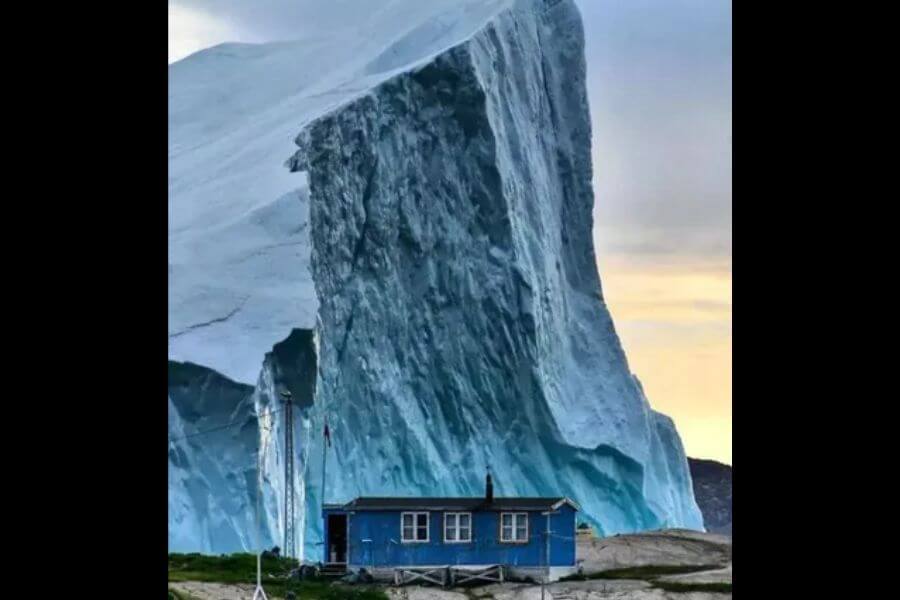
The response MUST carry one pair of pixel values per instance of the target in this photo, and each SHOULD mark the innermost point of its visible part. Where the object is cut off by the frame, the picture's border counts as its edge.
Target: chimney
(488, 488)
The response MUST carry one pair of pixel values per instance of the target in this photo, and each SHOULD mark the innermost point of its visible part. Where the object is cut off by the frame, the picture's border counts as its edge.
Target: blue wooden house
(437, 538)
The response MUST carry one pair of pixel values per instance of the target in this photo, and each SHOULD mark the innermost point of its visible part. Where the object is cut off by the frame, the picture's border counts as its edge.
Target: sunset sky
(659, 83)
(675, 324)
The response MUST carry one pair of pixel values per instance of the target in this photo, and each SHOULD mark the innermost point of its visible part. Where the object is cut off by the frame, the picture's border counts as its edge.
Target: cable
(221, 427)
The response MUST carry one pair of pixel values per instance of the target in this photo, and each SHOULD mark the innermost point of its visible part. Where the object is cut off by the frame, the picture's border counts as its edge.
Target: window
(514, 528)
(457, 527)
(414, 527)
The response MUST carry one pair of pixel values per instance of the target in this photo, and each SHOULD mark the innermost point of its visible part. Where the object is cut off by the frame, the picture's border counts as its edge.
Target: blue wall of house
(385, 548)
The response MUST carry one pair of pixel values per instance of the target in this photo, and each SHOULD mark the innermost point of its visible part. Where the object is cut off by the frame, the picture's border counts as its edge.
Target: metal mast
(547, 533)
(289, 549)
(259, 593)
(326, 441)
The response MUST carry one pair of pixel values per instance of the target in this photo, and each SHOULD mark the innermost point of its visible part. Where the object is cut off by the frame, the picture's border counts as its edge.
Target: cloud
(659, 82)
(192, 29)
(271, 20)
(676, 294)
(674, 321)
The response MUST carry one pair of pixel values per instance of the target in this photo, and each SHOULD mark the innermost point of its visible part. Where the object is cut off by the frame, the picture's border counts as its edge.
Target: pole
(547, 534)
(325, 442)
(546, 557)
(260, 593)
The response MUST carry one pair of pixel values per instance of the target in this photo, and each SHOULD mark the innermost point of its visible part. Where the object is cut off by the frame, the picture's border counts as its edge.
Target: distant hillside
(712, 488)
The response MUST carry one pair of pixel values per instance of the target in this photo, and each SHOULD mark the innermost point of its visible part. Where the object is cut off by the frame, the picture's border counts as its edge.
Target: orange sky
(674, 321)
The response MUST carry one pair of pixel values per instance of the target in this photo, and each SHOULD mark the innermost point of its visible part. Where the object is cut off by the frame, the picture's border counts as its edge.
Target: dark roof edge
(436, 503)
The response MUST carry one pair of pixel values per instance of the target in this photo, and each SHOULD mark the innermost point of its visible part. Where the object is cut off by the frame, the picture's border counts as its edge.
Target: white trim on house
(415, 527)
(457, 527)
(516, 517)
(568, 501)
(386, 573)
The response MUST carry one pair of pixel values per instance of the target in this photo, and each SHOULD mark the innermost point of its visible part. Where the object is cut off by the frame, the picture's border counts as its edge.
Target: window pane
(407, 533)
(520, 533)
(506, 534)
(464, 534)
(451, 520)
(451, 535)
(422, 520)
(407, 520)
(464, 520)
(507, 520)
(421, 533)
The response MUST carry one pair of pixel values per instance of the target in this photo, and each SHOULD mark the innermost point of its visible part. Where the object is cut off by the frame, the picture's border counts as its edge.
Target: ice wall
(291, 367)
(238, 240)
(216, 427)
(461, 318)
(212, 477)
(446, 203)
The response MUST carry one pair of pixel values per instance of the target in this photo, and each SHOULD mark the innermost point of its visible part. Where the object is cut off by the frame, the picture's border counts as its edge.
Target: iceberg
(426, 244)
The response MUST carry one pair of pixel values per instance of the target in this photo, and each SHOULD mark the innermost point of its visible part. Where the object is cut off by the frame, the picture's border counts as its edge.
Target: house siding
(386, 549)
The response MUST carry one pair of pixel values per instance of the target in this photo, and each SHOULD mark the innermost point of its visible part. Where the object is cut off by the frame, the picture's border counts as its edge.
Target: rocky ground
(200, 590)
(679, 547)
(671, 564)
(583, 590)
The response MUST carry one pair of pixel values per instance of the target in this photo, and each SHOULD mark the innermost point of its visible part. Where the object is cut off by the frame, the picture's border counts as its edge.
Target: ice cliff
(212, 478)
(216, 427)
(446, 179)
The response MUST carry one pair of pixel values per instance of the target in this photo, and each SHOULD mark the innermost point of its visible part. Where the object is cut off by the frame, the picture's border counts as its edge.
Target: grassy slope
(650, 573)
(241, 568)
(672, 586)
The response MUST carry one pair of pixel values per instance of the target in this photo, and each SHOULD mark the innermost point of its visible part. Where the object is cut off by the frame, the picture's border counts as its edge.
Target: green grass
(672, 586)
(651, 573)
(241, 568)
(227, 568)
(648, 572)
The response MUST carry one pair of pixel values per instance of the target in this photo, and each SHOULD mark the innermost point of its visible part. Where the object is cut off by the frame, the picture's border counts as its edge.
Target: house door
(337, 539)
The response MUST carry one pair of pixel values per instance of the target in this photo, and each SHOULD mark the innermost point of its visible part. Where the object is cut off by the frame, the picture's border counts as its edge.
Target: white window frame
(515, 517)
(415, 518)
(457, 528)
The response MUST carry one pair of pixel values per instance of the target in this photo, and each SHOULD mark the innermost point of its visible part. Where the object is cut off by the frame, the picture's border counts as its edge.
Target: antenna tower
(289, 549)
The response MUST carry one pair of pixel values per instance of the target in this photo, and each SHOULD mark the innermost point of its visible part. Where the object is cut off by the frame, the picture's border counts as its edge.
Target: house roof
(479, 503)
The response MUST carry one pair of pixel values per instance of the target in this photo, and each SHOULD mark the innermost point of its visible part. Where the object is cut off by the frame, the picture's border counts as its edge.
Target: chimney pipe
(489, 488)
